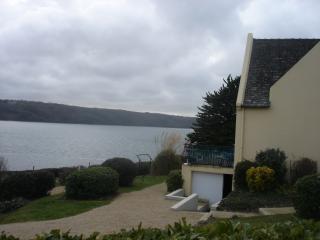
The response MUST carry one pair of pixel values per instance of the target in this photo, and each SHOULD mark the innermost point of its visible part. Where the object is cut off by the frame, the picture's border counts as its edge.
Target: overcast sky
(148, 55)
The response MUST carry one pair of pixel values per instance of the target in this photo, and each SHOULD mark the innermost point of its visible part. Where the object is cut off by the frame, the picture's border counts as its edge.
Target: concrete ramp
(177, 195)
(187, 204)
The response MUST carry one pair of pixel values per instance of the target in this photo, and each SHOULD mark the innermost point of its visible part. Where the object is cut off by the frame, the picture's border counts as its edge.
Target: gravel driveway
(126, 211)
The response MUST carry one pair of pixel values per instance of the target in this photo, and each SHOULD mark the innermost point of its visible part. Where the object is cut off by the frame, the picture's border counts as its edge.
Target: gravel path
(126, 211)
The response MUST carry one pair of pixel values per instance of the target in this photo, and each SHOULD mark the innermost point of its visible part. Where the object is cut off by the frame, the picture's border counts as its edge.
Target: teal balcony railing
(209, 155)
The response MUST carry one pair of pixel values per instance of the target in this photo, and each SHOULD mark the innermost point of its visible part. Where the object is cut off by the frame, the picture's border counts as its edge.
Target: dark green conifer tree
(216, 119)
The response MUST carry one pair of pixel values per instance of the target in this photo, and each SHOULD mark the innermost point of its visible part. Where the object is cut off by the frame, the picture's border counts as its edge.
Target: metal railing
(209, 155)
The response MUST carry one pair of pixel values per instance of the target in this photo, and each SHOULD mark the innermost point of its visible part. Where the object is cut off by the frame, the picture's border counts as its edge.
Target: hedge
(30, 185)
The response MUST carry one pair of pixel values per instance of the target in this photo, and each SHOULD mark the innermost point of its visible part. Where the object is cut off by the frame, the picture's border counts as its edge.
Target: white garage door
(208, 186)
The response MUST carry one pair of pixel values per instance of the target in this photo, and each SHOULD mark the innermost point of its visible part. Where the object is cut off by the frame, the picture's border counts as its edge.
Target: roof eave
(245, 70)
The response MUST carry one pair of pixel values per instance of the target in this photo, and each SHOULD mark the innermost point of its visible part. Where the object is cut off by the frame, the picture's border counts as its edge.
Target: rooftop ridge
(286, 38)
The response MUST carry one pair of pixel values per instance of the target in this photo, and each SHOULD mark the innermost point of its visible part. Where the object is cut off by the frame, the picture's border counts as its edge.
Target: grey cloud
(147, 55)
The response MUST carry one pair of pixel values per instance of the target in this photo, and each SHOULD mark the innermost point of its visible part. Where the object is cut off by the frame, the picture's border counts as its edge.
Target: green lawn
(54, 207)
(51, 207)
(141, 182)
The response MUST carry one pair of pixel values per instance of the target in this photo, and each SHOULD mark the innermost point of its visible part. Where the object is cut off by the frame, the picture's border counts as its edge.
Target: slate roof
(270, 60)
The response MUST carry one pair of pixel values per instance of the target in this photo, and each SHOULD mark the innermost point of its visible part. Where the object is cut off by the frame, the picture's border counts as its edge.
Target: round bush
(303, 167)
(165, 161)
(274, 159)
(260, 179)
(174, 180)
(26, 184)
(307, 197)
(125, 167)
(92, 183)
(240, 174)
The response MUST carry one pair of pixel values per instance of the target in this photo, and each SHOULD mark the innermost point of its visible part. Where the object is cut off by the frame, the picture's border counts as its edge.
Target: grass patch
(51, 207)
(141, 182)
(57, 206)
(245, 201)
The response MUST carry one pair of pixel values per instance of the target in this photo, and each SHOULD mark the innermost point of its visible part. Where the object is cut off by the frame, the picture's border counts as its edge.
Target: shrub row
(271, 158)
(27, 185)
(295, 229)
(275, 160)
(91, 183)
(59, 173)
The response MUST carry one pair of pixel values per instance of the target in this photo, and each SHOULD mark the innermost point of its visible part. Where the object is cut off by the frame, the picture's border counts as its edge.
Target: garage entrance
(208, 186)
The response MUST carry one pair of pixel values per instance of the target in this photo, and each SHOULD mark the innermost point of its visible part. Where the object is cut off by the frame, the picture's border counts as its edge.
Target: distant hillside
(59, 113)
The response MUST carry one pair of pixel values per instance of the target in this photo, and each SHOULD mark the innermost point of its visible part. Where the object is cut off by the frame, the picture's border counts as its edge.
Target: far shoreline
(95, 124)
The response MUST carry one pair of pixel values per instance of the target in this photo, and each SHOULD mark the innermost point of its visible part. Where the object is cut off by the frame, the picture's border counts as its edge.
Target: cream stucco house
(278, 106)
(278, 99)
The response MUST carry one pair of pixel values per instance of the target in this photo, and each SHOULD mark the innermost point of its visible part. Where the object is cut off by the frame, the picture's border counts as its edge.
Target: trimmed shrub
(92, 183)
(165, 161)
(303, 167)
(240, 174)
(125, 167)
(274, 159)
(26, 185)
(174, 180)
(307, 197)
(260, 179)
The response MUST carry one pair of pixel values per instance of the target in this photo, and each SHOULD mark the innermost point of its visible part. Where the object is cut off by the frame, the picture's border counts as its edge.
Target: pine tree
(216, 119)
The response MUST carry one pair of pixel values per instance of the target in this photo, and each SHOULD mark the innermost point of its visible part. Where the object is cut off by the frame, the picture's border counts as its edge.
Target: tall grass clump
(3, 166)
(168, 158)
